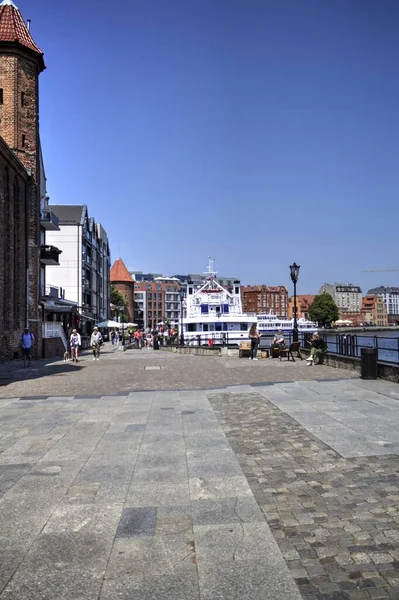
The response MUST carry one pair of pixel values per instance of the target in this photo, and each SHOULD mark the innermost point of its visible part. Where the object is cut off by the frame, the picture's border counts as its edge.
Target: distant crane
(378, 270)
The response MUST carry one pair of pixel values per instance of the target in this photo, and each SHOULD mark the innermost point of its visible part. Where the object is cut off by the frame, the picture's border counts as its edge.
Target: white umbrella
(129, 324)
(108, 324)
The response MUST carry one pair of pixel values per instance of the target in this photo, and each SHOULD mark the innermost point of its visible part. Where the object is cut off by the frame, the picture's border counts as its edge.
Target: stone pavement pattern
(322, 462)
(148, 370)
(135, 496)
(264, 491)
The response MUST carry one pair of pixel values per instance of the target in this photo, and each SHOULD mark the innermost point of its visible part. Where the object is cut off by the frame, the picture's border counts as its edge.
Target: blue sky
(257, 132)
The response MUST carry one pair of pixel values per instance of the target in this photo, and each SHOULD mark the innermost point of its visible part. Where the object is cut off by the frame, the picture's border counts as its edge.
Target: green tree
(324, 310)
(116, 298)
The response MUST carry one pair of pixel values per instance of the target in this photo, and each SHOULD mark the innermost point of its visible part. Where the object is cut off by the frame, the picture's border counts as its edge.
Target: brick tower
(21, 62)
(124, 283)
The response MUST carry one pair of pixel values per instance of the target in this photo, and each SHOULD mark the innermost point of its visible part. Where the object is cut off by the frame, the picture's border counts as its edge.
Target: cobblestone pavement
(334, 515)
(148, 370)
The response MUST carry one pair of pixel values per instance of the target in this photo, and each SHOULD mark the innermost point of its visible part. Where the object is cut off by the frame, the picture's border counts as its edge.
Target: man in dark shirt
(318, 346)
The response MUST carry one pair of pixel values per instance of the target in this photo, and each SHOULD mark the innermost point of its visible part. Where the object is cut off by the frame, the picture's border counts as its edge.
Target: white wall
(68, 274)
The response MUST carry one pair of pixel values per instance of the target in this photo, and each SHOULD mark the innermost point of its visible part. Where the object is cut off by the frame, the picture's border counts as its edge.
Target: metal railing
(342, 344)
(352, 344)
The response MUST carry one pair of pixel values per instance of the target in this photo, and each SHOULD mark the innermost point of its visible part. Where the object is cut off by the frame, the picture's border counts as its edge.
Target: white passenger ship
(269, 323)
(213, 313)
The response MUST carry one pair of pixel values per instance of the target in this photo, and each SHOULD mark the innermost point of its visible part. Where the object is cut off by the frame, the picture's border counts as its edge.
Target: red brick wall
(14, 186)
(19, 74)
(20, 203)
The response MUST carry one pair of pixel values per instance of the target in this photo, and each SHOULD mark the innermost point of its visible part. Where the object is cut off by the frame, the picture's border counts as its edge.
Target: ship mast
(210, 272)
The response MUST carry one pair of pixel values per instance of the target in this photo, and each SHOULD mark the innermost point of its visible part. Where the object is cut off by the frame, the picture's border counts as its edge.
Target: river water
(386, 342)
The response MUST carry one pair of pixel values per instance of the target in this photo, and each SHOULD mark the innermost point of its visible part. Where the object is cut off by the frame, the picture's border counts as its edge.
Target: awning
(67, 308)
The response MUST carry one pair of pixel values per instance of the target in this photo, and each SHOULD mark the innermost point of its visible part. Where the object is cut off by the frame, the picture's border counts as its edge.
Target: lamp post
(182, 296)
(121, 309)
(294, 268)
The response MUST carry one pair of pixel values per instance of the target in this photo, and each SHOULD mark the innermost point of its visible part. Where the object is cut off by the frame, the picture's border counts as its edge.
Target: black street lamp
(182, 296)
(121, 309)
(294, 268)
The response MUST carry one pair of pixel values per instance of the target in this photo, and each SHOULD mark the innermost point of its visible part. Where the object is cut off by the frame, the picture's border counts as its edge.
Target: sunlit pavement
(275, 481)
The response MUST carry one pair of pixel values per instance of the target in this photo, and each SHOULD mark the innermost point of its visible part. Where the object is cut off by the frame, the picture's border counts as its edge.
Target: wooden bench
(288, 352)
(245, 349)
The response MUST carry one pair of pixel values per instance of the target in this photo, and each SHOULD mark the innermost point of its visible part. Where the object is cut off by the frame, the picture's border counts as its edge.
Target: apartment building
(347, 297)
(157, 301)
(84, 269)
(390, 295)
(373, 310)
(303, 304)
(265, 299)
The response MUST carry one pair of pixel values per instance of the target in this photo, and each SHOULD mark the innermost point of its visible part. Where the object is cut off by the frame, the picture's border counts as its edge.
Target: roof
(69, 213)
(119, 272)
(14, 30)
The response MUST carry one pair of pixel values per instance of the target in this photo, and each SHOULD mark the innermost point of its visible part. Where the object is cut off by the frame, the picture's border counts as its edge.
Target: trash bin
(369, 357)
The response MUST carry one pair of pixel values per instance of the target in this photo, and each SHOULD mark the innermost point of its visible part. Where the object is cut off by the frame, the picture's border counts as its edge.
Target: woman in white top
(75, 341)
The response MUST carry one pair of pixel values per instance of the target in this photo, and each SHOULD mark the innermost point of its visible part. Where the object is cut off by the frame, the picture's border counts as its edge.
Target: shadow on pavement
(15, 371)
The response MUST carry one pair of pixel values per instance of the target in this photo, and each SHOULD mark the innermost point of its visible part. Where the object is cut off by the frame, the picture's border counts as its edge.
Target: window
(22, 98)
(1, 95)
(23, 140)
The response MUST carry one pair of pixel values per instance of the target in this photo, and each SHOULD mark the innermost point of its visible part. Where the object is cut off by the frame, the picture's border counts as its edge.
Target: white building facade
(84, 268)
(347, 297)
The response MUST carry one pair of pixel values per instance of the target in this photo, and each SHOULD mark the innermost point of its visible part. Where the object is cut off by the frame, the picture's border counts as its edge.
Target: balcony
(49, 220)
(49, 255)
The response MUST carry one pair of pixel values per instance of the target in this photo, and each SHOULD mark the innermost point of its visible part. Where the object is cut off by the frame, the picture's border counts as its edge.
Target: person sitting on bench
(318, 347)
(277, 344)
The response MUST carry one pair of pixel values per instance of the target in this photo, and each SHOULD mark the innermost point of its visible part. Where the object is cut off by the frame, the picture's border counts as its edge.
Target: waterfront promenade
(153, 475)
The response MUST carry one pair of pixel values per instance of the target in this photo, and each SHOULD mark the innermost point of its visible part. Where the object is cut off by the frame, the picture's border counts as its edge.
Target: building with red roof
(23, 252)
(122, 280)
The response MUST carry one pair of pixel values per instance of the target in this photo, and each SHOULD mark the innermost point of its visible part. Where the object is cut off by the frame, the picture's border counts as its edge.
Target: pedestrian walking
(137, 339)
(27, 341)
(75, 341)
(95, 342)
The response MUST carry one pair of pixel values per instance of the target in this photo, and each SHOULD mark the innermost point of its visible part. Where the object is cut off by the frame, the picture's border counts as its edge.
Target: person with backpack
(27, 341)
(74, 342)
(95, 342)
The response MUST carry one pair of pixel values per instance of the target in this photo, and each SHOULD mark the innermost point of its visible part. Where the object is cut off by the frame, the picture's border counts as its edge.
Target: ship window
(243, 326)
(205, 327)
(191, 327)
(204, 309)
(218, 327)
